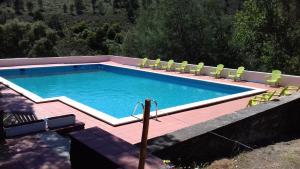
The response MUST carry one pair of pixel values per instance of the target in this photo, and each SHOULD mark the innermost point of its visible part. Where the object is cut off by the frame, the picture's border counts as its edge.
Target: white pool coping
(115, 121)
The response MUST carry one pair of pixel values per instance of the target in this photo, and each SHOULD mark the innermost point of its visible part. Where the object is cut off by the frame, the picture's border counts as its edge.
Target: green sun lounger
(292, 89)
(143, 63)
(238, 75)
(295, 88)
(288, 90)
(197, 70)
(156, 64)
(182, 67)
(261, 99)
(218, 71)
(275, 78)
(282, 92)
(170, 66)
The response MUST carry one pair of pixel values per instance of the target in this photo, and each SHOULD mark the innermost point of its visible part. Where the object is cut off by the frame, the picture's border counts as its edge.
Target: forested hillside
(258, 34)
(77, 27)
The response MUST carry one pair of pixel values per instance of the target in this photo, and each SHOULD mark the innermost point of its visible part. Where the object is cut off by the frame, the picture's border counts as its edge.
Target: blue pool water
(114, 90)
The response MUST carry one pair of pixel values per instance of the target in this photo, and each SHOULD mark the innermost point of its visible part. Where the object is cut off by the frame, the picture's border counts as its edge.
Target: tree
(14, 35)
(22, 5)
(94, 5)
(8, 3)
(146, 3)
(55, 24)
(265, 34)
(37, 31)
(41, 5)
(131, 7)
(65, 8)
(79, 6)
(130, 12)
(17, 7)
(42, 48)
(118, 4)
(111, 34)
(101, 8)
(38, 16)
(72, 9)
(30, 7)
(24, 39)
(190, 30)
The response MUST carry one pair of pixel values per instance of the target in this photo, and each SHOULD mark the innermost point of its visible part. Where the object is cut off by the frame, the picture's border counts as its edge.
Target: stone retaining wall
(255, 126)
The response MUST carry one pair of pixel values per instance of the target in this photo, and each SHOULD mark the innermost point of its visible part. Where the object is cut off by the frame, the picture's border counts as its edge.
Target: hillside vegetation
(78, 27)
(258, 34)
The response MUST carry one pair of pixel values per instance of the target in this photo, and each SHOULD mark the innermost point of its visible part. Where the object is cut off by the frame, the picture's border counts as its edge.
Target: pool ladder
(143, 106)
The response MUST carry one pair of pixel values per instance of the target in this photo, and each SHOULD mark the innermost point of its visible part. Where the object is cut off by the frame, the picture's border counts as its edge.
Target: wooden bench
(21, 129)
(64, 124)
(60, 124)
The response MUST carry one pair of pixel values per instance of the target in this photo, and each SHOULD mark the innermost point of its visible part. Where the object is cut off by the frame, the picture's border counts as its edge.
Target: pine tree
(72, 9)
(101, 8)
(22, 5)
(79, 6)
(17, 7)
(94, 5)
(41, 5)
(131, 8)
(130, 12)
(65, 8)
(29, 7)
(146, 3)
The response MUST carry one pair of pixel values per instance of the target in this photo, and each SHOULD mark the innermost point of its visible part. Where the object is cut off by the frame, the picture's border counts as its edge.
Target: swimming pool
(110, 93)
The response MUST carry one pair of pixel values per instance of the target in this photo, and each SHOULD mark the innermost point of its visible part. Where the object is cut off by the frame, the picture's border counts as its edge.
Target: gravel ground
(284, 155)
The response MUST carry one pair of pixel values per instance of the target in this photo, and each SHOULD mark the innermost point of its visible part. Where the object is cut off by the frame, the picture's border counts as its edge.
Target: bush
(111, 34)
(37, 31)
(22, 39)
(42, 47)
(38, 16)
(79, 27)
(55, 24)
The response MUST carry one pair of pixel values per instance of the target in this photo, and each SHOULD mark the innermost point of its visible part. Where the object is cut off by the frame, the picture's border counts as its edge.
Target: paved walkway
(46, 150)
(132, 132)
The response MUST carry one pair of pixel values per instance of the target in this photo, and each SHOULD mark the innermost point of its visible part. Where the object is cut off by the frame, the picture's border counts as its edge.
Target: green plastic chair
(238, 75)
(218, 71)
(156, 64)
(261, 99)
(169, 66)
(143, 63)
(182, 67)
(274, 78)
(197, 70)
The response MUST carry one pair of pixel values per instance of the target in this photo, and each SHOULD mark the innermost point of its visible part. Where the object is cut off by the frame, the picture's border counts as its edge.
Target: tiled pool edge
(116, 122)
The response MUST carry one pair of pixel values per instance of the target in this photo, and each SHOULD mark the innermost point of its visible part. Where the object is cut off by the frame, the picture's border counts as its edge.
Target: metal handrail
(135, 108)
(156, 108)
(140, 103)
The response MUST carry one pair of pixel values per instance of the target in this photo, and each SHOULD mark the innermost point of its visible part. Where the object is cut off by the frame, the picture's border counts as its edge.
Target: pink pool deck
(131, 133)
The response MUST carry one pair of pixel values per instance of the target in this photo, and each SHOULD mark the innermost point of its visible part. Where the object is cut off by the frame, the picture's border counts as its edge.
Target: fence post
(143, 148)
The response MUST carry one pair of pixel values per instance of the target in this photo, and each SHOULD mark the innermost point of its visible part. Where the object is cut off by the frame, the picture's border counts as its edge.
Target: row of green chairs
(273, 79)
(184, 68)
(170, 66)
(265, 97)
